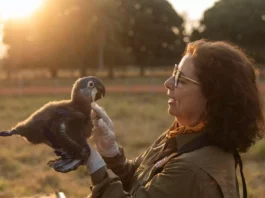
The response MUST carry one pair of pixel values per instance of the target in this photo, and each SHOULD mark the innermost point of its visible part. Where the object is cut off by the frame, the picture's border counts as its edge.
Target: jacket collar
(182, 139)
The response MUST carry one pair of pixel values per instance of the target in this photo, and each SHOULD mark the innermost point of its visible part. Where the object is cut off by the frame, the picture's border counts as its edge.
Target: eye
(90, 84)
(181, 80)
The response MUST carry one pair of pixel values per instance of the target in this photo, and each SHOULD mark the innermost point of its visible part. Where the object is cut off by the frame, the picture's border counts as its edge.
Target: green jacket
(205, 172)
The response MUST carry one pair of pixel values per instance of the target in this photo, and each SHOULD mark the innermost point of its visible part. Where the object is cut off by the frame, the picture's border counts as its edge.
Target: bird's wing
(79, 126)
(65, 131)
(68, 140)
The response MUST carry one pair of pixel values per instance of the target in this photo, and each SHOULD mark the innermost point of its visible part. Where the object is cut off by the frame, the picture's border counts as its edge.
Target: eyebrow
(176, 68)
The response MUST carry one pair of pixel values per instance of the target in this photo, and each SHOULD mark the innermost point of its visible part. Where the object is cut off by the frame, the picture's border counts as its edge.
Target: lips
(171, 101)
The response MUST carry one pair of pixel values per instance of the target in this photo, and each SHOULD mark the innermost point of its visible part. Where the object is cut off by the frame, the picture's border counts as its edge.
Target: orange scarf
(176, 129)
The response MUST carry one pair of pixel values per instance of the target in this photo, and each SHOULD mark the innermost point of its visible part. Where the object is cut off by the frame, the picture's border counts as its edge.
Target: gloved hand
(66, 163)
(103, 132)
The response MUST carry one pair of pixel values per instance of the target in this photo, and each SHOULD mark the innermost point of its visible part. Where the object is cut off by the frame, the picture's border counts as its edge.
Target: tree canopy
(241, 22)
(90, 33)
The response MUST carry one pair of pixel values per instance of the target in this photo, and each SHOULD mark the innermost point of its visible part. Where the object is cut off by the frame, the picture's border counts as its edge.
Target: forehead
(186, 65)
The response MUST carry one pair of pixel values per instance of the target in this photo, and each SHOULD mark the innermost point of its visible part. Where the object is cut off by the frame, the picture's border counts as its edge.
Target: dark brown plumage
(64, 125)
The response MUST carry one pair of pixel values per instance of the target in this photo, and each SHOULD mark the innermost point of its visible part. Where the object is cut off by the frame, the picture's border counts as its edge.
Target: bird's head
(89, 89)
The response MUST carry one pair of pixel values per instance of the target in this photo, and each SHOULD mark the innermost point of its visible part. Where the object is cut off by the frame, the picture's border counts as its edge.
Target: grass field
(138, 118)
(68, 82)
(29, 78)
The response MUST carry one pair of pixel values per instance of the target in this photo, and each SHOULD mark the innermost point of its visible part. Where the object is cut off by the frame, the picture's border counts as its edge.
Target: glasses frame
(177, 74)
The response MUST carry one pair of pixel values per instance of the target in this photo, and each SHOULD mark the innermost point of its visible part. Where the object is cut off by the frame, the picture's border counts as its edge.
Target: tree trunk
(142, 70)
(82, 72)
(110, 72)
(91, 72)
(54, 73)
(8, 74)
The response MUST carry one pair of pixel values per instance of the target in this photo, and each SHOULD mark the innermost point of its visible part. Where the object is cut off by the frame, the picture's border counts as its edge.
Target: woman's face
(186, 101)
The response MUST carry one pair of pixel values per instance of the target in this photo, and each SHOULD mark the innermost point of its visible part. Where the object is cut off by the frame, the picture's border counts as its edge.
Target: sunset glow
(18, 9)
(193, 9)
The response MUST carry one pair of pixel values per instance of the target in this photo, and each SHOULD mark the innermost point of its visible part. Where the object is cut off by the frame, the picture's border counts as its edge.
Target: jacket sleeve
(177, 179)
(123, 167)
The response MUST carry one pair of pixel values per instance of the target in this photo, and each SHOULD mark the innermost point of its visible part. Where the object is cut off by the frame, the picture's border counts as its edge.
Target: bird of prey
(64, 125)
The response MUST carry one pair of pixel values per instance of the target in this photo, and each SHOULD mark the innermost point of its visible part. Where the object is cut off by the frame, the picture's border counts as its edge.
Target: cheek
(181, 95)
(190, 101)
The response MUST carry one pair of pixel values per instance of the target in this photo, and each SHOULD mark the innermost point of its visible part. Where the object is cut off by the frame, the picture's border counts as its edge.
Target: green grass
(138, 118)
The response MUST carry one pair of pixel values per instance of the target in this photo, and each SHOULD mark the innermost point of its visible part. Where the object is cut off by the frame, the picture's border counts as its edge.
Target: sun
(18, 8)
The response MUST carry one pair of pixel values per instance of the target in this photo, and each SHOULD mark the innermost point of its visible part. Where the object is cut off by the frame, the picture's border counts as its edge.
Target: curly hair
(234, 117)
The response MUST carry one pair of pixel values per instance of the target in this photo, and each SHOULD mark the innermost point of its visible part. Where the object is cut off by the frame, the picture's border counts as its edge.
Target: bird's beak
(100, 92)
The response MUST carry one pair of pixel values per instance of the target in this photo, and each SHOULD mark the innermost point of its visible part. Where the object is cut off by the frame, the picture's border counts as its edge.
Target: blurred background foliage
(92, 35)
(241, 22)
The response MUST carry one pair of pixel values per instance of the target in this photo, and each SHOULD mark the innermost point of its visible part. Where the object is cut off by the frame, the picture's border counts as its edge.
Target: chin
(172, 112)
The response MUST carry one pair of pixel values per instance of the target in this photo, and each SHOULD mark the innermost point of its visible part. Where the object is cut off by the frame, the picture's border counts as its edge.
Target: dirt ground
(67, 90)
(109, 89)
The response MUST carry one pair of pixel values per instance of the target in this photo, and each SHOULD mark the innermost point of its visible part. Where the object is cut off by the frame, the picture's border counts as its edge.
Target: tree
(86, 32)
(89, 33)
(34, 42)
(16, 33)
(62, 35)
(238, 21)
(153, 32)
(106, 32)
(71, 33)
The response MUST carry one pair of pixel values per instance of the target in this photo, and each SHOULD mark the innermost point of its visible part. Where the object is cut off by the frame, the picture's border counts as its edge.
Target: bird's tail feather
(8, 133)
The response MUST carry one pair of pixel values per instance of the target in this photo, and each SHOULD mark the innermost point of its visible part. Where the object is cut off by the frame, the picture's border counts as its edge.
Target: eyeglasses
(177, 74)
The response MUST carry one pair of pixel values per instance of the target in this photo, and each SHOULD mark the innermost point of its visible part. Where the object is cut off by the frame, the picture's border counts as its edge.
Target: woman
(214, 98)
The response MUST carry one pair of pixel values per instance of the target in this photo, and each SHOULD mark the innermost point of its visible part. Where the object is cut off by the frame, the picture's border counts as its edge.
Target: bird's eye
(90, 84)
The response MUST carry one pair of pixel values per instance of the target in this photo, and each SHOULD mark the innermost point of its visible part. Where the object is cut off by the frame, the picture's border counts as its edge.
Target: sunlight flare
(18, 9)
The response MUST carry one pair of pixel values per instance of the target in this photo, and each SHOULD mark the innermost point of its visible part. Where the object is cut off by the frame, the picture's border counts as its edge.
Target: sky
(192, 9)
(18, 8)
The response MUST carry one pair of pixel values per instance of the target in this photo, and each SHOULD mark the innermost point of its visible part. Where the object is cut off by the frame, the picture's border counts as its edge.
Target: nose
(169, 83)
